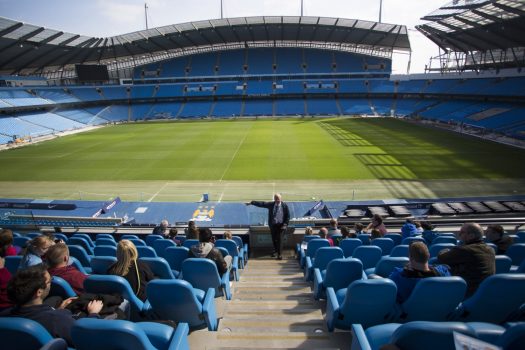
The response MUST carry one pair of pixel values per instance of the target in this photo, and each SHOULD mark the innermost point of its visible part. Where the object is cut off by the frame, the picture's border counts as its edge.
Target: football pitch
(237, 160)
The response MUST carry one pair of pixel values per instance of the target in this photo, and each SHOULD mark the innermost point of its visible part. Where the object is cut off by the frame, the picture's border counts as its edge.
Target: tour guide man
(278, 218)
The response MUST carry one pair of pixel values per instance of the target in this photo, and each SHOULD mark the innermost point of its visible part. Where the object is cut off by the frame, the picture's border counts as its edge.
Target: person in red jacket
(5, 276)
(57, 259)
(6, 243)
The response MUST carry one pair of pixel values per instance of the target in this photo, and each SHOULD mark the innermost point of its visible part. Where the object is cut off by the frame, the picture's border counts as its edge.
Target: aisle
(272, 308)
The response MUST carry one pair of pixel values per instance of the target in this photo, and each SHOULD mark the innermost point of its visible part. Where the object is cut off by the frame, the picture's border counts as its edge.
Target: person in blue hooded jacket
(417, 268)
(409, 229)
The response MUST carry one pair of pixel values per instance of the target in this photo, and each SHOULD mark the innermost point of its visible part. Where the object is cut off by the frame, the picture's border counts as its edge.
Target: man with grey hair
(162, 229)
(278, 218)
(473, 260)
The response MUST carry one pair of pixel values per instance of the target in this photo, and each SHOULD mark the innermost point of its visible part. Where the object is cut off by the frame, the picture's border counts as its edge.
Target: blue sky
(101, 18)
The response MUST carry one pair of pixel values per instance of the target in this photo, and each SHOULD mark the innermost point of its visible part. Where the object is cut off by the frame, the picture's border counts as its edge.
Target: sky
(102, 18)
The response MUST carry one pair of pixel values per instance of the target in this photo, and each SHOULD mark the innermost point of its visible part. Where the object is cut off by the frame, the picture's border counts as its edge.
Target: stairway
(272, 308)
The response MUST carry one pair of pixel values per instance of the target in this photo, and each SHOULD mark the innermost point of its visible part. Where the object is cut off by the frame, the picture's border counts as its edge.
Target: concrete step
(278, 325)
(290, 340)
(257, 305)
(293, 315)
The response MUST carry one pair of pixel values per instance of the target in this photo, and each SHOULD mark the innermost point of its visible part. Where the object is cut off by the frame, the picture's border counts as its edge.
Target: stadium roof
(477, 25)
(25, 46)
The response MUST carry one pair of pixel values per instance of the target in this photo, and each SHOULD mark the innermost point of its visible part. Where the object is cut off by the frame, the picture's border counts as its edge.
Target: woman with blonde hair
(137, 273)
(35, 251)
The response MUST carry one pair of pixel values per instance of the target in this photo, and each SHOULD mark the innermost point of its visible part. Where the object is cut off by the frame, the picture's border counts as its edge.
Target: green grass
(337, 150)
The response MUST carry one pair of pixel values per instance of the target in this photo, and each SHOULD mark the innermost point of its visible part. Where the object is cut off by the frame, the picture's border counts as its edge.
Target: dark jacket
(503, 244)
(145, 274)
(58, 322)
(208, 251)
(269, 206)
(406, 279)
(473, 261)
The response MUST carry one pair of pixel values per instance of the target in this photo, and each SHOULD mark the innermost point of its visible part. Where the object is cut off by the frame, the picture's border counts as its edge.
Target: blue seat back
(434, 299)
(76, 263)
(229, 244)
(340, 273)
(365, 238)
(310, 237)
(386, 265)
(368, 302)
(61, 236)
(503, 264)
(92, 333)
(488, 305)
(445, 239)
(435, 248)
(146, 252)
(21, 241)
(137, 242)
(188, 243)
(60, 287)
(175, 300)
(395, 237)
(86, 237)
(105, 250)
(175, 256)
(434, 335)
(238, 241)
(159, 266)
(324, 255)
(513, 338)
(516, 252)
(80, 254)
(400, 250)
(108, 284)
(368, 254)
(386, 244)
(32, 235)
(12, 263)
(105, 235)
(81, 241)
(202, 273)
(315, 244)
(22, 333)
(160, 246)
(152, 238)
(105, 241)
(348, 246)
(409, 240)
(129, 237)
(101, 264)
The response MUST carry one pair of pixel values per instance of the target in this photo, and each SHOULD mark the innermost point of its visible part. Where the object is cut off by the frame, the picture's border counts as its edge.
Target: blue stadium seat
(23, 333)
(386, 244)
(369, 302)
(92, 333)
(368, 254)
(311, 248)
(160, 267)
(320, 260)
(386, 265)
(101, 264)
(348, 246)
(160, 246)
(202, 273)
(339, 273)
(80, 254)
(396, 237)
(105, 241)
(175, 256)
(105, 250)
(503, 264)
(146, 252)
(399, 250)
(176, 300)
(231, 247)
(435, 248)
(151, 238)
(12, 263)
(60, 287)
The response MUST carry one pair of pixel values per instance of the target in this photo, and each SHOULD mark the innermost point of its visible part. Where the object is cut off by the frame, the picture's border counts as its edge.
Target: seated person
(375, 233)
(192, 231)
(473, 260)
(5, 277)
(332, 229)
(206, 249)
(409, 229)
(345, 233)
(6, 243)
(35, 251)
(359, 228)
(428, 232)
(57, 260)
(137, 273)
(496, 234)
(228, 235)
(162, 229)
(323, 233)
(377, 223)
(417, 268)
(28, 289)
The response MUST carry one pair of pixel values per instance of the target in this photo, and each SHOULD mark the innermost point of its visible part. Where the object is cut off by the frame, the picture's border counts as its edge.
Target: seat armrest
(318, 281)
(179, 341)
(359, 339)
(209, 311)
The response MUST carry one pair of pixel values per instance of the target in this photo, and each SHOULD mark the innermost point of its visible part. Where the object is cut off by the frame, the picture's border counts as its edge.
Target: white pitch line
(160, 190)
(235, 154)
